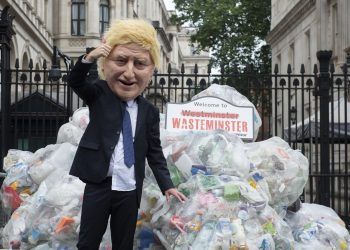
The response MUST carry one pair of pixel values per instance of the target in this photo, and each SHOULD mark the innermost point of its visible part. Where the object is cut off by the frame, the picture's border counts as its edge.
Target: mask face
(128, 70)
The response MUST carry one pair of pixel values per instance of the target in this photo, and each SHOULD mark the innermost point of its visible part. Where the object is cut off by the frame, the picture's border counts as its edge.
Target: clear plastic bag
(81, 118)
(14, 157)
(317, 225)
(68, 132)
(47, 160)
(284, 170)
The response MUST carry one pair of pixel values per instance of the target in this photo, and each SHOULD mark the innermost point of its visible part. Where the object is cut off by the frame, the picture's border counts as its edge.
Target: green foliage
(233, 30)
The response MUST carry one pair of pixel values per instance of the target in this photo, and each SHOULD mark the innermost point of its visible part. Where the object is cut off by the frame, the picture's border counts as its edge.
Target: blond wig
(132, 31)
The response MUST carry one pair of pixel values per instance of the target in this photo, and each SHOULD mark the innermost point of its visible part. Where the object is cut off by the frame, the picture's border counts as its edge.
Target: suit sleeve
(77, 80)
(155, 156)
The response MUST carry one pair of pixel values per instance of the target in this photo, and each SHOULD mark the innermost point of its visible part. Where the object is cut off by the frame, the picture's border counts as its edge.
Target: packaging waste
(237, 194)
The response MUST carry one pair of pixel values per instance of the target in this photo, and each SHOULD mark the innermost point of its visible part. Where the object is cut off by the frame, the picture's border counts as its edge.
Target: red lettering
(221, 124)
(233, 125)
(227, 125)
(186, 113)
(176, 122)
(245, 126)
(210, 124)
(239, 126)
(196, 123)
(202, 124)
(190, 126)
(184, 124)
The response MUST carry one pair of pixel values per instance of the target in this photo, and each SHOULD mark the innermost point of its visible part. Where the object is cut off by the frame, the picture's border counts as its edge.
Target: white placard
(210, 113)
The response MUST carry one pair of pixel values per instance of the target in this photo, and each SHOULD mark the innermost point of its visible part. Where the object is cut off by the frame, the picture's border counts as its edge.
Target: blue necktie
(129, 158)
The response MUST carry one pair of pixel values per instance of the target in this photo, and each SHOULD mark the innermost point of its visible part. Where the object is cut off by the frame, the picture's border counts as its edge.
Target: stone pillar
(65, 17)
(130, 9)
(92, 18)
(343, 8)
(322, 25)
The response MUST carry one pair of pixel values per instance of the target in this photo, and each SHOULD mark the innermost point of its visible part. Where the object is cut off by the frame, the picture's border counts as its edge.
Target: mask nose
(129, 71)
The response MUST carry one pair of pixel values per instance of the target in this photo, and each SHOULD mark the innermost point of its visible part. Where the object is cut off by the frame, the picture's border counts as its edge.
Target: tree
(233, 30)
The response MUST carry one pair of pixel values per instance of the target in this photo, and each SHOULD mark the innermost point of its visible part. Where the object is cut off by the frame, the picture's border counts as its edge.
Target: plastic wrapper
(232, 96)
(68, 132)
(81, 118)
(73, 130)
(14, 157)
(17, 184)
(46, 160)
(318, 226)
(285, 170)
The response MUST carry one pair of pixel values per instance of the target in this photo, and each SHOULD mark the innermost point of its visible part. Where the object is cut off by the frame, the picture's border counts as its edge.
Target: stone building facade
(73, 25)
(300, 28)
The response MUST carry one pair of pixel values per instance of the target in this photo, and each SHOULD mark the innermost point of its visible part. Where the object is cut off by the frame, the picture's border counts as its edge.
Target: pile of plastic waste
(238, 194)
(317, 227)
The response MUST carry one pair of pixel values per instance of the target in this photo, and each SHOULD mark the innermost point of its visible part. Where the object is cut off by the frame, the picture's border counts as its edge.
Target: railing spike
(345, 68)
(196, 68)
(169, 68)
(17, 63)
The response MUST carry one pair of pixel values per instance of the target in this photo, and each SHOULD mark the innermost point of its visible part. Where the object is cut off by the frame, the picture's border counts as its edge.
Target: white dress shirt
(123, 177)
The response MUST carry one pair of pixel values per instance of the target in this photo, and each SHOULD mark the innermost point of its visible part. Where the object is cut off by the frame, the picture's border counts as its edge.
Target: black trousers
(100, 203)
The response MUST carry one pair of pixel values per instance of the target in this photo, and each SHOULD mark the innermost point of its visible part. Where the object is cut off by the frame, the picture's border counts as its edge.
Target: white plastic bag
(68, 132)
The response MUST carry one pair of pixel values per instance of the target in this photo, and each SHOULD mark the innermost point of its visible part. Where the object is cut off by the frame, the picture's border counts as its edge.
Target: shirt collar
(130, 103)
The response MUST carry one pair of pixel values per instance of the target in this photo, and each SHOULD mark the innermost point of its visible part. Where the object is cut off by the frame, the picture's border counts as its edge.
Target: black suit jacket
(91, 162)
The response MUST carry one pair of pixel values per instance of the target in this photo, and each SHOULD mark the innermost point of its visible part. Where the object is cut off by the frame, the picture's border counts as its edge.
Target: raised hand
(101, 51)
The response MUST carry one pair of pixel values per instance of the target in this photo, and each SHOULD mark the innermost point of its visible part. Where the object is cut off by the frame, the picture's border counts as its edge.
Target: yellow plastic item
(14, 185)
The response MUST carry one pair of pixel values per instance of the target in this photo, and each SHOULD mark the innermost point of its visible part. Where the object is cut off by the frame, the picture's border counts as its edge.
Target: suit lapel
(141, 114)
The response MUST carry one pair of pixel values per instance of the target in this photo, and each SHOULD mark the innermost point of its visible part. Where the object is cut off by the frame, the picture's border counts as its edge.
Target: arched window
(78, 18)
(25, 61)
(104, 16)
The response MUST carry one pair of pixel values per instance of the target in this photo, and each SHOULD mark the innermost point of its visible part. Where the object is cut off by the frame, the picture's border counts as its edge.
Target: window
(278, 62)
(104, 16)
(78, 17)
(34, 143)
(292, 56)
(335, 27)
(22, 144)
(46, 11)
(308, 52)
